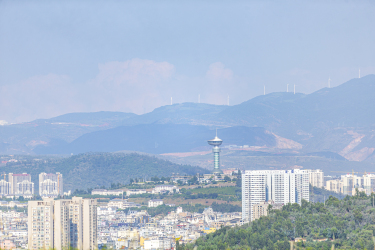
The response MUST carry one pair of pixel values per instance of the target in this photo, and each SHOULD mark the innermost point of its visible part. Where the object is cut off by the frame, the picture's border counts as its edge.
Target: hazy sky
(70, 56)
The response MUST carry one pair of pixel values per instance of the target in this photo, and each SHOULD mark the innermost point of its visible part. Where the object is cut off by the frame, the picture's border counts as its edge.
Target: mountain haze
(339, 119)
(160, 138)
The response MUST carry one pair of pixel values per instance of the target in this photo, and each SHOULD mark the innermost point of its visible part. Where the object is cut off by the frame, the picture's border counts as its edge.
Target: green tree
(226, 178)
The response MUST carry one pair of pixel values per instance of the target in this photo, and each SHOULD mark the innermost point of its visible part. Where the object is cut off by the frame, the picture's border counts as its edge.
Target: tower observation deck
(216, 142)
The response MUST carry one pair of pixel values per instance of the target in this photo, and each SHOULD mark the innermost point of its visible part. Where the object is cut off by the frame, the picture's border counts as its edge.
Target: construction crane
(353, 172)
(354, 185)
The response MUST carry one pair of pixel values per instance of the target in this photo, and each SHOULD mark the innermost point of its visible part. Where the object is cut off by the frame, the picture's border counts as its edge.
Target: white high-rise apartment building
(62, 224)
(348, 183)
(21, 185)
(316, 177)
(50, 185)
(280, 186)
(369, 183)
(4, 187)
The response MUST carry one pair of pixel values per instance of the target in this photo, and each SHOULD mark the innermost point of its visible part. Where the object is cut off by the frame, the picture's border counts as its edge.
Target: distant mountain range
(159, 138)
(340, 120)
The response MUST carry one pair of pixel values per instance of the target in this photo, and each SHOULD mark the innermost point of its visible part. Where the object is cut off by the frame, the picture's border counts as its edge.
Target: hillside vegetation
(346, 224)
(100, 169)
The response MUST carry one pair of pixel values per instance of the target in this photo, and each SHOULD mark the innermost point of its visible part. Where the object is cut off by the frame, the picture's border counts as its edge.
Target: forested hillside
(94, 170)
(346, 224)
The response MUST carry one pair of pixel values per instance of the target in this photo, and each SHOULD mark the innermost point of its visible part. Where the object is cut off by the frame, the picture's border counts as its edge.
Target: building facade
(50, 185)
(62, 224)
(4, 187)
(165, 188)
(280, 186)
(262, 208)
(316, 177)
(135, 191)
(334, 186)
(21, 185)
(369, 183)
(107, 192)
(349, 183)
(155, 203)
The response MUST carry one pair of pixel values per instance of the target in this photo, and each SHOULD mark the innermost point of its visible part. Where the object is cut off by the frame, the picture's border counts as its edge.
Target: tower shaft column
(216, 151)
(216, 142)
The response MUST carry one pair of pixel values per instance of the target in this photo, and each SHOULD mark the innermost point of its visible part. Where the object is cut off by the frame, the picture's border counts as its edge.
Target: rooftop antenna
(329, 82)
(199, 98)
(171, 101)
(228, 100)
(264, 91)
(294, 89)
(359, 73)
(287, 88)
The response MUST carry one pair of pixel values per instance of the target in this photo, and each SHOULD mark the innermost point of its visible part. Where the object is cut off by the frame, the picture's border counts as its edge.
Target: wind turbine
(264, 91)
(171, 101)
(287, 88)
(329, 82)
(359, 73)
(294, 89)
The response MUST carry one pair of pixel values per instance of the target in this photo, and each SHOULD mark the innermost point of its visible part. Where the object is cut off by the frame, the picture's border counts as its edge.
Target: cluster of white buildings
(349, 183)
(107, 192)
(50, 185)
(62, 224)
(158, 189)
(122, 204)
(278, 186)
(262, 188)
(118, 230)
(18, 185)
(13, 230)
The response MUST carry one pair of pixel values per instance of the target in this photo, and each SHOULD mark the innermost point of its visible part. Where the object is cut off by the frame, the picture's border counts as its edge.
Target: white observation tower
(216, 142)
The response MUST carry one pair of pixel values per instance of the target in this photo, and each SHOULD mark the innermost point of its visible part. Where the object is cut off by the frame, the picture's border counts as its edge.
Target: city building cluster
(121, 224)
(158, 189)
(62, 224)
(276, 186)
(50, 185)
(13, 229)
(262, 188)
(137, 229)
(348, 184)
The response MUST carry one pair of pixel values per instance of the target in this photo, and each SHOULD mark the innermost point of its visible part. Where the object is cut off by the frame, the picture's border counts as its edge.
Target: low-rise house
(7, 244)
(122, 204)
(165, 188)
(135, 191)
(16, 203)
(158, 243)
(261, 209)
(155, 203)
(107, 192)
